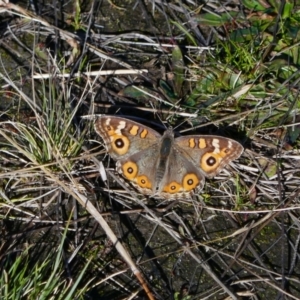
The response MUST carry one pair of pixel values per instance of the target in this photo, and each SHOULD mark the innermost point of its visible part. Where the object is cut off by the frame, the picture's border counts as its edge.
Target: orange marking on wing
(144, 133)
(134, 130)
(143, 182)
(192, 143)
(172, 188)
(190, 181)
(202, 143)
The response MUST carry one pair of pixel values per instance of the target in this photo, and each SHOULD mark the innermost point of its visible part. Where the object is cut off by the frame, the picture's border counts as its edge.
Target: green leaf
(210, 19)
(188, 35)
(287, 10)
(253, 5)
(178, 69)
(168, 91)
(139, 93)
(240, 35)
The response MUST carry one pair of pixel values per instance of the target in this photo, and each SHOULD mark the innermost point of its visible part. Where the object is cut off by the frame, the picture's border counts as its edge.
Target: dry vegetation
(229, 68)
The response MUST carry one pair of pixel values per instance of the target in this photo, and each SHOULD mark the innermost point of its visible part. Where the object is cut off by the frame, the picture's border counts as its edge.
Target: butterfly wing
(162, 170)
(140, 169)
(123, 137)
(209, 153)
(181, 178)
(134, 147)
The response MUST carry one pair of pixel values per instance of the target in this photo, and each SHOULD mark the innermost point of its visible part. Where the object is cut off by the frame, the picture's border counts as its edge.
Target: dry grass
(211, 69)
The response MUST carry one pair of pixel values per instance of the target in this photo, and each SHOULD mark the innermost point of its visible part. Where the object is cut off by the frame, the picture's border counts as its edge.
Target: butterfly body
(162, 166)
